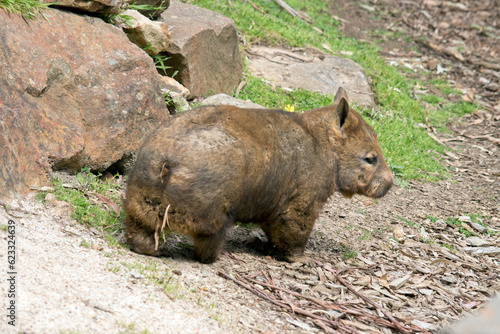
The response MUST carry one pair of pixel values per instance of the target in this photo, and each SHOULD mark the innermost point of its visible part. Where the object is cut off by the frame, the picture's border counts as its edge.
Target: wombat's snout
(381, 185)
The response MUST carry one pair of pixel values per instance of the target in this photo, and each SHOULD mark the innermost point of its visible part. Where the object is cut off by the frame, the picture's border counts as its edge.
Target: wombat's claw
(305, 260)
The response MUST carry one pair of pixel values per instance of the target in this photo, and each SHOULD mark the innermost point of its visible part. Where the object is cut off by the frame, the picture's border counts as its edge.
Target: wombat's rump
(216, 165)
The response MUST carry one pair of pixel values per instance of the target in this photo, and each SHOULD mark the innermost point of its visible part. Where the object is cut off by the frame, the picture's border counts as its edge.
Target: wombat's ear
(341, 103)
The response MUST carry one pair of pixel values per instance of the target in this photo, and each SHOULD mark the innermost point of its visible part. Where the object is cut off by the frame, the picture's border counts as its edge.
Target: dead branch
(367, 300)
(334, 323)
(255, 6)
(291, 11)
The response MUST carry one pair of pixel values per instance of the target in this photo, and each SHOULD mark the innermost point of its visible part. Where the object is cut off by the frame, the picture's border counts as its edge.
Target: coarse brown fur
(213, 166)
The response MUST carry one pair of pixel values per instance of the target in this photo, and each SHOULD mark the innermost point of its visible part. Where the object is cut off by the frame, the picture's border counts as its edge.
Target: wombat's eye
(371, 160)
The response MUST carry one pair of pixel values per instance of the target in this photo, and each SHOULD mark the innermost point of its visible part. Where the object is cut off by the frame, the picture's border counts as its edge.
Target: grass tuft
(88, 209)
(28, 9)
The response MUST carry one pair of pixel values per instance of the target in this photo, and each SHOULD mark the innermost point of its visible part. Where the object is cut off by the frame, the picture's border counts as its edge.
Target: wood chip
(399, 282)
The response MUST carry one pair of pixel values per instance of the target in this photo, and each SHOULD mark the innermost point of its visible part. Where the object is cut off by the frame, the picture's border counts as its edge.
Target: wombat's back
(243, 161)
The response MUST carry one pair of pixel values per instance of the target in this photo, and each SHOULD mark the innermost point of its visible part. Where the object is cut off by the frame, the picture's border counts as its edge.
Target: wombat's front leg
(140, 238)
(207, 247)
(290, 235)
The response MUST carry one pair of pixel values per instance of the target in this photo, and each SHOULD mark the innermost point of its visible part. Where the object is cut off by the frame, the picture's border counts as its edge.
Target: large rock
(323, 74)
(73, 91)
(203, 49)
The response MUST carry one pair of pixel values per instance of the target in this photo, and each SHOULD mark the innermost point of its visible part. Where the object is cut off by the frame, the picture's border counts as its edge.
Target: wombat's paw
(206, 257)
(143, 244)
(305, 260)
(147, 251)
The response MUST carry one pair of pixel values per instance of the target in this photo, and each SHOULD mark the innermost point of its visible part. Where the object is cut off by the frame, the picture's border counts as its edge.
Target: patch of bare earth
(413, 261)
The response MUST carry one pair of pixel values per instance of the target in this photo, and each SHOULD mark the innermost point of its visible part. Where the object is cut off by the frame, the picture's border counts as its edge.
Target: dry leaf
(383, 281)
(109, 203)
(399, 234)
(468, 96)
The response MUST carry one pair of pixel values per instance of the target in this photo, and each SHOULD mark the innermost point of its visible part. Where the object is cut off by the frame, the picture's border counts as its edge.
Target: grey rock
(478, 227)
(177, 92)
(151, 36)
(476, 242)
(424, 325)
(465, 219)
(291, 70)
(203, 49)
(483, 250)
(223, 99)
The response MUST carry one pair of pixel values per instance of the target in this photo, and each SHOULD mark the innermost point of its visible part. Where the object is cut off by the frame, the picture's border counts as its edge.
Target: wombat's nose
(382, 185)
(387, 183)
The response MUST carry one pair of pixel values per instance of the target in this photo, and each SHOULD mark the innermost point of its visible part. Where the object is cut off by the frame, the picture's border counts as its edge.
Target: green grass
(450, 247)
(88, 209)
(348, 252)
(130, 328)
(475, 218)
(28, 9)
(40, 196)
(153, 274)
(85, 243)
(365, 236)
(405, 145)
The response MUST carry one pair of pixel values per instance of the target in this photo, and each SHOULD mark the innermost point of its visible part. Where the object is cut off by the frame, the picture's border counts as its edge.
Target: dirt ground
(415, 260)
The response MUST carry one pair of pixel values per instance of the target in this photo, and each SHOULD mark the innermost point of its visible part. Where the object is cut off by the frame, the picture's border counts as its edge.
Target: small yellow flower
(290, 108)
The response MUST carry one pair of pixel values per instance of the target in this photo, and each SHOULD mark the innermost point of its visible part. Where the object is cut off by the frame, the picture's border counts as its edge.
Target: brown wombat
(213, 166)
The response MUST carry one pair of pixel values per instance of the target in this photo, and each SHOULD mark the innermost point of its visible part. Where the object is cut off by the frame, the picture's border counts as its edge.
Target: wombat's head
(362, 168)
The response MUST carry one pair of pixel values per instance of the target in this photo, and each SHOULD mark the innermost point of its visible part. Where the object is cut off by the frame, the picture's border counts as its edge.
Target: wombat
(216, 165)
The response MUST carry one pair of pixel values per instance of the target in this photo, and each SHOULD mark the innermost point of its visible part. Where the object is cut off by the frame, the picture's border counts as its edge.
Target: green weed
(453, 221)
(450, 247)
(40, 196)
(153, 274)
(87, 208)
(28, 9)
(130, 328)
(409, 223)
(365, 236)
(261, 93)
(348, 252)
(85, 243)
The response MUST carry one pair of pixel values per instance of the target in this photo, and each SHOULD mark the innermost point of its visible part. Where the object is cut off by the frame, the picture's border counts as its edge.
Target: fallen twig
(335, 324)
(240, 87)
(367, 300)
(326, 320)
(255, 6)
(292, 11)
